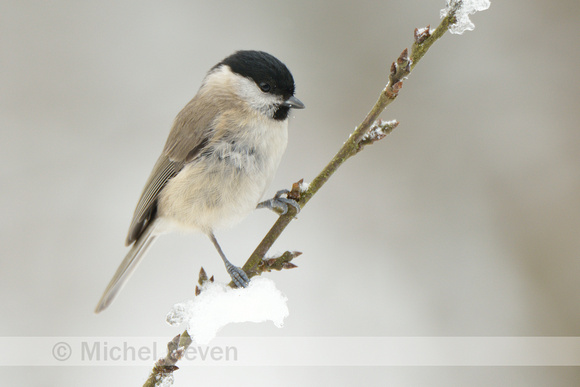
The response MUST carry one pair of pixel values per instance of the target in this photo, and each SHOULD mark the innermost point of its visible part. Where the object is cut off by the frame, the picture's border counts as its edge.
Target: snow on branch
(462, 9)
(218, 305)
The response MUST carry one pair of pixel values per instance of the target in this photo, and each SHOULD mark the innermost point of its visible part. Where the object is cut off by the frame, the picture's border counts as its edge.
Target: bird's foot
(279, 204)
(239, 277)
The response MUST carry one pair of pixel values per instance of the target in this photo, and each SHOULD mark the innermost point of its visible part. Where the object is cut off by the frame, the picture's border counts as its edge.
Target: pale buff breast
(223, 186)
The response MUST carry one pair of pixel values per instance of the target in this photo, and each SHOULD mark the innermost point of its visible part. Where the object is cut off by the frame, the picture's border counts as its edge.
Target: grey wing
(189, 135)
(163, 171)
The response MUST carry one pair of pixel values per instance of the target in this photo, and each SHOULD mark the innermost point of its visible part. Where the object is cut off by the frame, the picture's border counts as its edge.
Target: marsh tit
(220, 156)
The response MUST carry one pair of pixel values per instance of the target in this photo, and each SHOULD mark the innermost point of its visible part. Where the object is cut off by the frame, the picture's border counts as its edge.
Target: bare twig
(164, 368)
(400, 69)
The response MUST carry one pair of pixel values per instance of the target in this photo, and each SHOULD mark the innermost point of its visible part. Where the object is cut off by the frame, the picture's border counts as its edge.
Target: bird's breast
(226, 181)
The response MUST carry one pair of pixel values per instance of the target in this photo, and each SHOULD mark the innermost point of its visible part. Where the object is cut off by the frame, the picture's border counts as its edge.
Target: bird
(221, 155)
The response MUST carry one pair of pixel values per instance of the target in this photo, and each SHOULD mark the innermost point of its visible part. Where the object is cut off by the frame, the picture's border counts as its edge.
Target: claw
(279, 204)
(239, 277)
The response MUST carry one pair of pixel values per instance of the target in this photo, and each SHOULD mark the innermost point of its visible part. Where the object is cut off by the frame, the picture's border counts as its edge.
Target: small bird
(221, 154)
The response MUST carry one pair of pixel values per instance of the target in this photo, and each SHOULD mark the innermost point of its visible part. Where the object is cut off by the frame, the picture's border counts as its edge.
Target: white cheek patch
(256, 98)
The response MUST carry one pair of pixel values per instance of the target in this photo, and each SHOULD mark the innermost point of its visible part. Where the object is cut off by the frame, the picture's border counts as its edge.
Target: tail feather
(126, 268)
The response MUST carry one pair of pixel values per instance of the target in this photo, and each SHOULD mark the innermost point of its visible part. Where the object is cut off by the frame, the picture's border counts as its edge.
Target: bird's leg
(279, 204)
(239, 276)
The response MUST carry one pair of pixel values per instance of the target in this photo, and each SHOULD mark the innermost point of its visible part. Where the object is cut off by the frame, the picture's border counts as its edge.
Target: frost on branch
(218, 305)
(462, 9)
(378, 131)
(165, 380)
(297, 190)
(421, 34)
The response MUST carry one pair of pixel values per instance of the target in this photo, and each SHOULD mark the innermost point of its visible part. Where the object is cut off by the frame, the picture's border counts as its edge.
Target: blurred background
(465, 221)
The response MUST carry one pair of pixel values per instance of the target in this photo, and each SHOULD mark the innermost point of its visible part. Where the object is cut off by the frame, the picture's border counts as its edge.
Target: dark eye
(265, 87)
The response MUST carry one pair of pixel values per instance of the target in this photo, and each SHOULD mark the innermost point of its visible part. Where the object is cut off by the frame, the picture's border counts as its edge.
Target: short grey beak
(294, 103)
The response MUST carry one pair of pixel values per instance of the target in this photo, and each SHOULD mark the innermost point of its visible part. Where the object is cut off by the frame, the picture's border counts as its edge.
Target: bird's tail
(127, 267)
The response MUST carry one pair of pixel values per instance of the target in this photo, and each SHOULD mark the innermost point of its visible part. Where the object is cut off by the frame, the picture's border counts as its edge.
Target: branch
(163, 370)
(400, 69)
(369, 131)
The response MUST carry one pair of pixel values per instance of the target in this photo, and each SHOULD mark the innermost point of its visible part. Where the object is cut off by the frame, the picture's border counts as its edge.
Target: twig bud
(421, 34)
(202, 276)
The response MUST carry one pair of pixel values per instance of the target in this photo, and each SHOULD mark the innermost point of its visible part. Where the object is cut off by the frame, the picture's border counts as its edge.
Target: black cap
(268, 72)
(271, 76)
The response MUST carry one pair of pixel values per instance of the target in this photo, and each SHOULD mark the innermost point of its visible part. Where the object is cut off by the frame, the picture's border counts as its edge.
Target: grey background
(464, 222)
